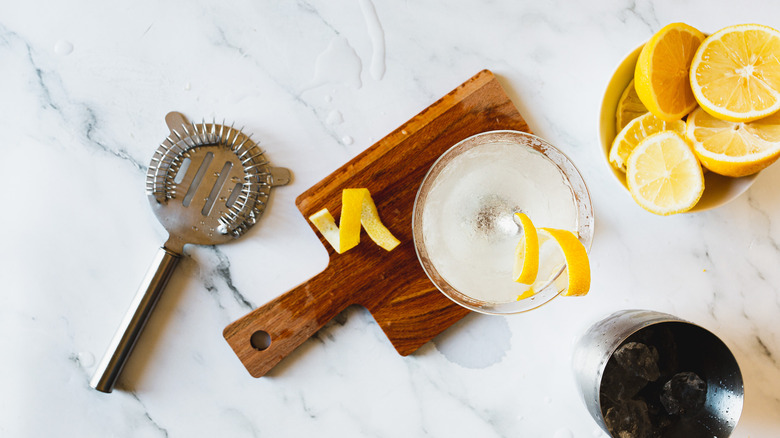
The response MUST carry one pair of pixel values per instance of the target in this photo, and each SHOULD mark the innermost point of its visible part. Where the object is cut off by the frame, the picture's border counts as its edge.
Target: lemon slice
(526, 254)
(661, 75)
(629, 107)
(735, 74)
(663, 174)
(357, 209)
(577, 263)
(734, 148)
(635, 131)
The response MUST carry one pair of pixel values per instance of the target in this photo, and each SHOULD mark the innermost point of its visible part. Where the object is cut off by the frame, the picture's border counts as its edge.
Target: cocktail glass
(463, 222)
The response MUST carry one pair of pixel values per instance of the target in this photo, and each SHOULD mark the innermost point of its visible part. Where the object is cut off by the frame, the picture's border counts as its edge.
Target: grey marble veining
(84, 89)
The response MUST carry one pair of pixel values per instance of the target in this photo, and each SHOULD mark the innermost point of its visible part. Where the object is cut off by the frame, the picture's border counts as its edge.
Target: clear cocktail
(464, 227)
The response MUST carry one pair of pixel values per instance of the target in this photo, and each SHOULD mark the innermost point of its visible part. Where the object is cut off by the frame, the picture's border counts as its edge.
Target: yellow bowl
(718, 189)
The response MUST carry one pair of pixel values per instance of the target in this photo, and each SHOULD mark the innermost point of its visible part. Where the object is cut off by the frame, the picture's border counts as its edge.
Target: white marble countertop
(84, 88)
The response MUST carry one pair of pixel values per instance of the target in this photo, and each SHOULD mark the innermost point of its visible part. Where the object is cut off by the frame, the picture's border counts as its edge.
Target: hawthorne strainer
(208, 183)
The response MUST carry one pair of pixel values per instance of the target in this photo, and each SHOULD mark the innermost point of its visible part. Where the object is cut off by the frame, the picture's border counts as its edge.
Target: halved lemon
(663, 174)
(734, 148)
(635, 131)
(629, 107)
(661, 75)
(735, 74)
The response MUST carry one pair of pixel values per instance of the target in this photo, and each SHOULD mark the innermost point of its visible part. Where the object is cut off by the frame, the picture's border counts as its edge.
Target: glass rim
(573, 179)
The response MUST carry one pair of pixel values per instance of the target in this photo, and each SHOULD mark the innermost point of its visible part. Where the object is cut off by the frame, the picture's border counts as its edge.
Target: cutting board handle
(268, 334)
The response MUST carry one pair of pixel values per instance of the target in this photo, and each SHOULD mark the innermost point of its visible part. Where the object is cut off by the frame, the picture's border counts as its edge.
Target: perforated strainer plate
(209, 183)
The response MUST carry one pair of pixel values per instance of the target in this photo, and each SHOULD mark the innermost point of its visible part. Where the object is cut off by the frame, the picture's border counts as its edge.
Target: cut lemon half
(734, 148)
(577, 263)
(663, 174)
(526, 266)
(661, 74)
(634, 132)
(629, 107)
(735, 74)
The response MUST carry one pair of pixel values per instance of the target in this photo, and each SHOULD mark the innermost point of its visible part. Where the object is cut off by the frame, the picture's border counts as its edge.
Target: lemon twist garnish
(357, 208)
(526, 267)
(526, 253)
(527, 294)
(577, 263)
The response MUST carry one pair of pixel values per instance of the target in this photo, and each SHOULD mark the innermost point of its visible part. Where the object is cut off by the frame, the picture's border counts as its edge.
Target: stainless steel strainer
(207, 184)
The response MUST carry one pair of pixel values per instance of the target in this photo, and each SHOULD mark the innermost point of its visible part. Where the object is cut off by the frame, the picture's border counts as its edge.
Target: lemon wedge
(577, 263)
(663, 174)
(734, 148)
(661, 75)
(629, 107)
(526, 253)
(357, 209)
(735, 73)
(635, 131)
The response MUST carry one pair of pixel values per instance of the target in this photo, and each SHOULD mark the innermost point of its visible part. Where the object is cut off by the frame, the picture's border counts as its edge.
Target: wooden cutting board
(391, 285)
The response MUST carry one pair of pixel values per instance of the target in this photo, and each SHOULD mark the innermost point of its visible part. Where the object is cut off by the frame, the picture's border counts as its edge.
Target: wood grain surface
(391, 285)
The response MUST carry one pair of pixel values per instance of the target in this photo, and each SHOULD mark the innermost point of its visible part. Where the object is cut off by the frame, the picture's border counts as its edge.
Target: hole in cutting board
(260, 340)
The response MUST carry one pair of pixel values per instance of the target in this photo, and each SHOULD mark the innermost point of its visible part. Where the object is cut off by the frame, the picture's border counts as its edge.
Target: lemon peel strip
(326, 225)
(374, 227)
(526, 254)
(577, 263)
(349, 222)
(357, 209)
(526, 267)
(527, 294)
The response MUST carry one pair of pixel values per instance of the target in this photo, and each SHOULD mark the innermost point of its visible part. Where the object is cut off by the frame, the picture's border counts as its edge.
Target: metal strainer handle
(122, 344)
